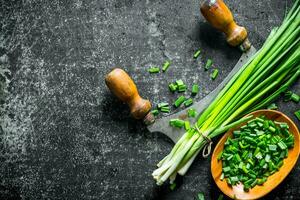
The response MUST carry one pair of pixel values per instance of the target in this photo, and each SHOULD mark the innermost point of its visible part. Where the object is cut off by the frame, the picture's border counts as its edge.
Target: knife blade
(162, 124)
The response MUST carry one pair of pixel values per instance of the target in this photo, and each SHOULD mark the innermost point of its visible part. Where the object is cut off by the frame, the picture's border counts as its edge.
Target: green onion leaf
(272, 106)
(272, 147)
(163, 104)
(289, 95)
(226, 169)
(192, 112)
(188, 102)
(295, 98)
(178, 123)
(181, 87)
(165, 109)
(200, 196)
(173, 87)
(297, 113)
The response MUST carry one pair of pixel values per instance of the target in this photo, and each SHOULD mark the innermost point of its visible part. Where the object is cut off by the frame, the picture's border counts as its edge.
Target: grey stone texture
(64, 136)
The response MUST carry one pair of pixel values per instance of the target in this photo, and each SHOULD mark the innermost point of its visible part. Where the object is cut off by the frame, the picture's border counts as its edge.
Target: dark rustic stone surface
(64, 136)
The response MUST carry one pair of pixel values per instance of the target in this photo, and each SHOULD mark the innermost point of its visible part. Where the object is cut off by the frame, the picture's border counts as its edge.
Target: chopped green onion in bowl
(255, 151)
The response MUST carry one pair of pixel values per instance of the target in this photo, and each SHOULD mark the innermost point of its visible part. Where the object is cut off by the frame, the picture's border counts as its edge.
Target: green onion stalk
(257, 84)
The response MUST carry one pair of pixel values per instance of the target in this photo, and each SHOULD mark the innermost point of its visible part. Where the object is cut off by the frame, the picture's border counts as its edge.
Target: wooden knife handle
(220, 17)
(121, 85)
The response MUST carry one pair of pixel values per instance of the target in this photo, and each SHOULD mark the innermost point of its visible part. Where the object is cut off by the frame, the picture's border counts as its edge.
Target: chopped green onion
(178, 123)
(208, 64)
(258, 155)
(163, 104)
(200, 196)
(272, 129)
(179, 101)
(172, 87)
(179, 82)
(197, 53)
(297, 113)
(226, 169)
(195, 89)
(155, 112)
(272, 147)
(188, 102)
(272, 106)
(192, 112)
(214, 74)
(267, 158)
(279, 164)
(153, 70)
(166, 66)
(283, 125)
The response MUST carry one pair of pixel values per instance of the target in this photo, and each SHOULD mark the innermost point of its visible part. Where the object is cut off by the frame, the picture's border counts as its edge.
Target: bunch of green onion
(259, 82)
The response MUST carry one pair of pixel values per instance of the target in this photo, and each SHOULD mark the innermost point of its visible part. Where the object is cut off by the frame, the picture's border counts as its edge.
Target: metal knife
(119, 82)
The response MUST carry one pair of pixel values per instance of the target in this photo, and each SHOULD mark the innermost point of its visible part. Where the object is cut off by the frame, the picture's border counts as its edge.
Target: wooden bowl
(256, 192)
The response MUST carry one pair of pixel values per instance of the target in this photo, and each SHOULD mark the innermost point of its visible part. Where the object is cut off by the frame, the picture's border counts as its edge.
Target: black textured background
(64, 136)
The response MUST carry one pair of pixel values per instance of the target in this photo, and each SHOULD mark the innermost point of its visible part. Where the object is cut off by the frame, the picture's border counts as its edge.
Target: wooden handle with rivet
(121, 85)
(220, 17)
